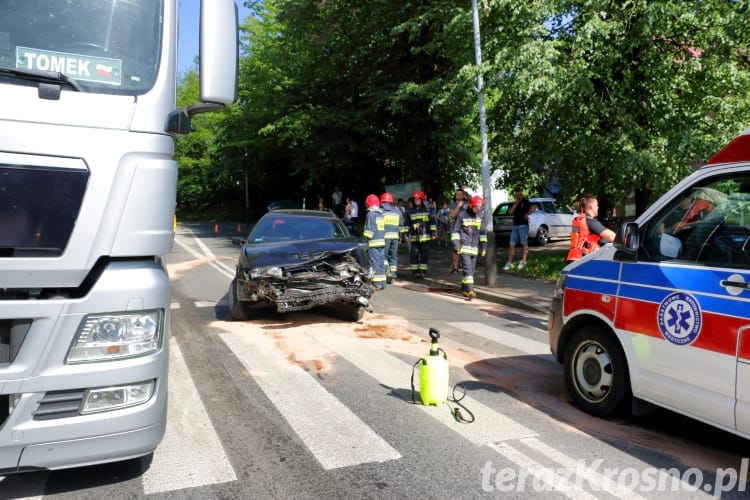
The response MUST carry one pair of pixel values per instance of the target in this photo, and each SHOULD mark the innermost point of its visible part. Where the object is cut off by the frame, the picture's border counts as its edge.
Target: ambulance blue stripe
(705, 279)
(599, 269)
(594, 286)
(708, 303)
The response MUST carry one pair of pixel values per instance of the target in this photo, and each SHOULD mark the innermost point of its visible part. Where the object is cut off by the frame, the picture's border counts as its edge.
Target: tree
(612, 97)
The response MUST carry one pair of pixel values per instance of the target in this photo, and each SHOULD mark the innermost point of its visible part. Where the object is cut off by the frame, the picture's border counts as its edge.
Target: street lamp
(490, 268)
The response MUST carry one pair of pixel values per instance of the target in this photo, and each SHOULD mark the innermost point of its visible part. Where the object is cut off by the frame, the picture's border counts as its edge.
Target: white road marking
(490, 426)
(207, 255)
(191, 453)
(517, 342)
(174, 305)
(599, 482)
(546, 475)
(329, 429)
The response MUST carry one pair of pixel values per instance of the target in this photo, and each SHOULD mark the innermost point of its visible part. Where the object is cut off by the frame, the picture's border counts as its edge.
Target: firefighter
(375, 234)
(587, 231)
(421, 229)
(469, 239)
(393, 222)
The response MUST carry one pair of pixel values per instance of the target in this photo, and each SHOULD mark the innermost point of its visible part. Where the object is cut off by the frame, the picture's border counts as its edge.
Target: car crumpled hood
(299, 253)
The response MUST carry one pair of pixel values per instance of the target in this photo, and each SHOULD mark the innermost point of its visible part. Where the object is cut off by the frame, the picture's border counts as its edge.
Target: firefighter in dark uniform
(469, 239)
(393, 222)
(421, 229)
(375, 234)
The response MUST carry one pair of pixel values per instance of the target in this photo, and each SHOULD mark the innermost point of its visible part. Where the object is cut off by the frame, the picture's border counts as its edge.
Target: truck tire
(238, 310)
(596, 373)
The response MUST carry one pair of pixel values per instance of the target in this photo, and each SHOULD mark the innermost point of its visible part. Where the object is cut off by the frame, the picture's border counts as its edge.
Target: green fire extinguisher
(433, 374)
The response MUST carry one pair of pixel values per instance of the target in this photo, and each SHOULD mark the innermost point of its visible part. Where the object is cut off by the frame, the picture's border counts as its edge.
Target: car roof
(320, 214)
(532, 200)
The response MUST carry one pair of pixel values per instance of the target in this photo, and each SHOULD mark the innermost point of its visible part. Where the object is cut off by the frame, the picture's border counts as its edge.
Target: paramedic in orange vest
(587, 230)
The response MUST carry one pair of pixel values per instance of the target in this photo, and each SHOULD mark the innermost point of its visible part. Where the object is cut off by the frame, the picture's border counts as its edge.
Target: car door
(684, 307)
(554, 222)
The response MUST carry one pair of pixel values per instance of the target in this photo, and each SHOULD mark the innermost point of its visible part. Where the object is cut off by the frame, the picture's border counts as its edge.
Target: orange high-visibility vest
(582, 241)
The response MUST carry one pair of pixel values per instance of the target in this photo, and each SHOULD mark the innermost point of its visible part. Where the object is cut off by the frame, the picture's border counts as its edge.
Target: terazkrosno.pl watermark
(594, 477)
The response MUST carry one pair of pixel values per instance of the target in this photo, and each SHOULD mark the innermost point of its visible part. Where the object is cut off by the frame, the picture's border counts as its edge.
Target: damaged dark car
(296, 260)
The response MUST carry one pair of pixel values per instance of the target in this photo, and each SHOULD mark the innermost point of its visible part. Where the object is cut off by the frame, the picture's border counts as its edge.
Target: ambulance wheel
(596, 373)
(238, 310)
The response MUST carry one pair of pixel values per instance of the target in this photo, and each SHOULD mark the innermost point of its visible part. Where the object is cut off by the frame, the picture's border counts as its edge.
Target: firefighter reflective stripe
(421, 225)
(375, 228)
(392, 220)
(468, 235)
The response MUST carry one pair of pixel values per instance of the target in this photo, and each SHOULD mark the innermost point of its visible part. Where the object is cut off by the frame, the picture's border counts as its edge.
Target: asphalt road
(307, 406)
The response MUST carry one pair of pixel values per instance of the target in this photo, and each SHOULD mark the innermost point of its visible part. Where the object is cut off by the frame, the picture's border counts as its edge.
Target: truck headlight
(104, 337)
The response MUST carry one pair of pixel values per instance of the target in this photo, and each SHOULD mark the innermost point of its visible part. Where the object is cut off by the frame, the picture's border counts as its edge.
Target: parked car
(296, 260)
(548, 221)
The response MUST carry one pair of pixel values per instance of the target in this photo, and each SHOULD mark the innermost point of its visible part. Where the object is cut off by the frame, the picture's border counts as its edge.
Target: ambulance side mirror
(627, 239)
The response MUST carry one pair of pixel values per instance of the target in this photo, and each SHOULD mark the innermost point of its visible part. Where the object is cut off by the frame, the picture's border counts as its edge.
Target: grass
(546, 266)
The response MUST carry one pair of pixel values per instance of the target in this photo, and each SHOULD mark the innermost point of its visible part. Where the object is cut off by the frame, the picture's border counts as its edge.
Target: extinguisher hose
(458, 409)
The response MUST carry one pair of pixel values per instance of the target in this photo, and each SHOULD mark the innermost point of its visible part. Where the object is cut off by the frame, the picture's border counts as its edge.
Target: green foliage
(609, 97)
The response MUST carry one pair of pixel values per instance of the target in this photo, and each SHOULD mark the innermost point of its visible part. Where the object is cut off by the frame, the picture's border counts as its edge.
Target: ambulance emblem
(680, 318)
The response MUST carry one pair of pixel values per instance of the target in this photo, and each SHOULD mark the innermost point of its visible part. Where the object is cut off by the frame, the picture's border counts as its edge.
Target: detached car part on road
(297, 260)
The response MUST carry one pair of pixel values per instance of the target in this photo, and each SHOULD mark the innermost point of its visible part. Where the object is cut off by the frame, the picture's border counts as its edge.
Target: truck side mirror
(219, 51)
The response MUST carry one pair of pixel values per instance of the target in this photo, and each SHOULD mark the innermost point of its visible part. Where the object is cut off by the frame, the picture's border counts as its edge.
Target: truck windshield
(105, 46)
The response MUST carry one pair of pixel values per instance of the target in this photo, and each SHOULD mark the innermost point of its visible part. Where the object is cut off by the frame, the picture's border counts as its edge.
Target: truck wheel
(542, 236)
(596, 373)
(238, 310)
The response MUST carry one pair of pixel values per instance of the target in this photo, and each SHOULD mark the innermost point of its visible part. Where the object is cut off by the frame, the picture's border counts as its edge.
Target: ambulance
(662, 316)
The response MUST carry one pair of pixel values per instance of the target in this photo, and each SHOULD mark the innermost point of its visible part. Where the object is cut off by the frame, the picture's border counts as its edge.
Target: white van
(663, 315)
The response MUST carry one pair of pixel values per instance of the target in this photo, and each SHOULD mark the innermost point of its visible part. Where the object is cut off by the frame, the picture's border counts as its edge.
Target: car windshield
(104, 46)
(280, 228)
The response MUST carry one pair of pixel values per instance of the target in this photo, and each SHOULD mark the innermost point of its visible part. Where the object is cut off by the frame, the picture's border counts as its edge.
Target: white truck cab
(663, 315)
(88, 184)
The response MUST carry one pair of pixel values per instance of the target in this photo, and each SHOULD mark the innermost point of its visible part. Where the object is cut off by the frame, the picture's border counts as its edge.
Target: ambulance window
(707, 225)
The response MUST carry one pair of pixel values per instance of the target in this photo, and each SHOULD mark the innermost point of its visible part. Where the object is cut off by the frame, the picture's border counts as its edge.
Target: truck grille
(59, 404)
(38, 208)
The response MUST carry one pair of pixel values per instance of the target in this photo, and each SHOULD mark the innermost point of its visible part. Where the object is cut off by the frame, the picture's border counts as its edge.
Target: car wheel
(596, 373)
(542, 236)
(238, 310)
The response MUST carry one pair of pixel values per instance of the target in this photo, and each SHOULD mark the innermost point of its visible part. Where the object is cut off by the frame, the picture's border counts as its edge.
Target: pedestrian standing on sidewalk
(469, 239)
(375, 234)
(393, 222)
(521, 209)
(422, 229)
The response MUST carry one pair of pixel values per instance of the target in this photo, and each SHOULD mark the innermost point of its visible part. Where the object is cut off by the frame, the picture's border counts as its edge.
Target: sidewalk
(510, 289)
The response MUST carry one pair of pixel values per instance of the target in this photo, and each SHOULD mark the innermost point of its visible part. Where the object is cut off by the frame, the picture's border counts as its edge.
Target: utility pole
(490, 267)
